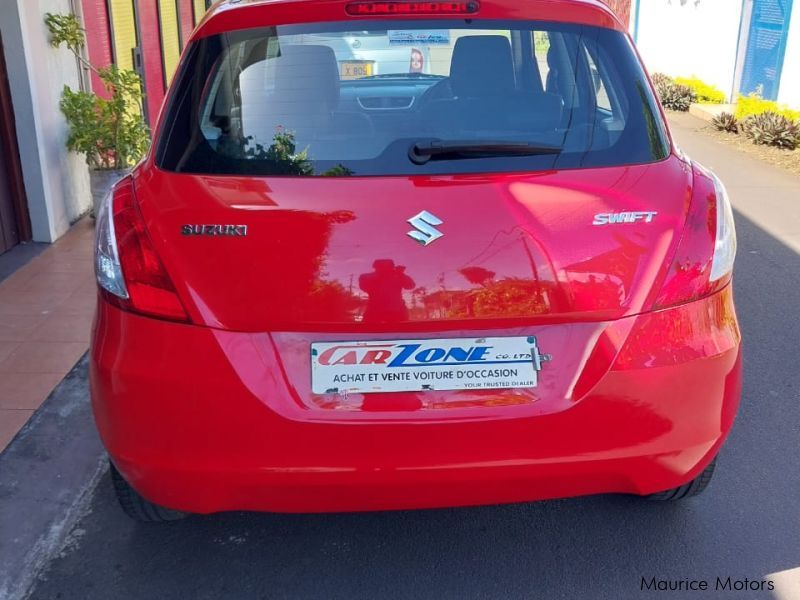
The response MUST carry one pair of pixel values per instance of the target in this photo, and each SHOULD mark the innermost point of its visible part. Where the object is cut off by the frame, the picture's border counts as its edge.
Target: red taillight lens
(365, 9)
(150, 290)
(704, 259)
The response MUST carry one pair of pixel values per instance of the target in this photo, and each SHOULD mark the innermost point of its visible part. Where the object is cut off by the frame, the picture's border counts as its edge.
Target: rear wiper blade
(423, 152)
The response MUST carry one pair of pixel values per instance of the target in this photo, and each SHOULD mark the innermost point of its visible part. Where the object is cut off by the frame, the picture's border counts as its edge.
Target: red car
(497, 281)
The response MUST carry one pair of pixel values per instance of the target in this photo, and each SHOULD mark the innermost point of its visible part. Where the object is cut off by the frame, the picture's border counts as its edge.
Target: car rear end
(495, 281)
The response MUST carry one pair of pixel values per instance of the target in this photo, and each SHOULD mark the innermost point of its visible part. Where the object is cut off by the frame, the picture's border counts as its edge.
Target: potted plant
(109, 131)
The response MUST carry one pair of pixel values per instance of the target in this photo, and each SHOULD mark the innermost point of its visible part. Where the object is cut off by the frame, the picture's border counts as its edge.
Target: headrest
(306, 73)
(482, 65)
(552, 55)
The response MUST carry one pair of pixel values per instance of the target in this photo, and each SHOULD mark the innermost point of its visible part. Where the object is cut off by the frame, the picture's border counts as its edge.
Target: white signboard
(421, 365)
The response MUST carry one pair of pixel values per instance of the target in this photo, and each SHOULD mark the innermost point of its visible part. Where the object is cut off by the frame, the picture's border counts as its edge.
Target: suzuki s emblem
(425, 231)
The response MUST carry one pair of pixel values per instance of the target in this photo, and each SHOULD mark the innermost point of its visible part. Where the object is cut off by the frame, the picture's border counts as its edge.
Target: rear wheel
(694, 487)
(137, 507)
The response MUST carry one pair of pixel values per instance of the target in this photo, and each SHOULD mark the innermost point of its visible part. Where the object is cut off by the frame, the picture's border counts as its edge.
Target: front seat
(481, 75)
(482, 67)
(306, 90)
(485, 95)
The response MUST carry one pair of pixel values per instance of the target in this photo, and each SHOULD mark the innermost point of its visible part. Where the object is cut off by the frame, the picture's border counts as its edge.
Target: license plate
(426, 365)
(356, 69)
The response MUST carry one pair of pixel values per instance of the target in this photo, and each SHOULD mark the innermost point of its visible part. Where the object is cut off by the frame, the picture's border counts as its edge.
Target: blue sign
(766, 47)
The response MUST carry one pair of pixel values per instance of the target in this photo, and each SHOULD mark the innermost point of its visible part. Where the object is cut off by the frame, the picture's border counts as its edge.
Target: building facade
(146, 36)
(43, 187)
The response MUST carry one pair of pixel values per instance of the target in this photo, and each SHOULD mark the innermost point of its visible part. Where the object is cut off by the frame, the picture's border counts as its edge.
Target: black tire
(136, 507)
(688, 490)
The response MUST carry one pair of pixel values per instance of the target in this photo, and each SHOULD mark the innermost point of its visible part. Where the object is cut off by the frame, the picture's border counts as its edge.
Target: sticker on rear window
(420, 37)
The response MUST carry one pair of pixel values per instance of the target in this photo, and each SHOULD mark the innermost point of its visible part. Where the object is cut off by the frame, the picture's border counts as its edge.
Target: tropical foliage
(772, 129)
(753, 104)
(109, 131)
(705, 93)
(726, 122)
(673, 96)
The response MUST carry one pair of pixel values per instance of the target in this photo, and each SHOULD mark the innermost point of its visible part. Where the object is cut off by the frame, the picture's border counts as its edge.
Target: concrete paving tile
(26, 390)
(46, 310)
(67, 265)
(11, 262)
(43, 357)
(11, 421)
(6, 348)
(81, 301)
(64, 327)
(18, 328)
(13, 302)
(49, 282)
(17, 280)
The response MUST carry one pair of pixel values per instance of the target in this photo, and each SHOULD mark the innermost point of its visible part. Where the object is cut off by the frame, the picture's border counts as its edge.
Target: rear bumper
(205, 421)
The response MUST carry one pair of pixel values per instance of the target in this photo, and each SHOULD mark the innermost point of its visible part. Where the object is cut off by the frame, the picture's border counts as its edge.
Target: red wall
(150, 44)
(622, 8)
(186, 18)
(99, 47)
(98, 38)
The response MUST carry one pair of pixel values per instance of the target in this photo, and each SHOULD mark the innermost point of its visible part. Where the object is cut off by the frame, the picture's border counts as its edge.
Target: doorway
(15, 224)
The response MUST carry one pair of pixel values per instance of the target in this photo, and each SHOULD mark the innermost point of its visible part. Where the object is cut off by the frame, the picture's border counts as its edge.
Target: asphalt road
(747, 525)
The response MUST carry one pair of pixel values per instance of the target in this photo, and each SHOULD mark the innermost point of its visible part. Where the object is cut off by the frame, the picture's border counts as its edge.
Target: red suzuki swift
(340, 284)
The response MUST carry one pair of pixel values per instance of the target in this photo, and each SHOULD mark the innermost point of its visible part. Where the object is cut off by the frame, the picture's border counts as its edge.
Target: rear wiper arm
(423, 152)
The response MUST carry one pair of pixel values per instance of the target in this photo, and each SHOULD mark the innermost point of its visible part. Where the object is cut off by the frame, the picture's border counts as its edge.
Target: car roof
(232, 15)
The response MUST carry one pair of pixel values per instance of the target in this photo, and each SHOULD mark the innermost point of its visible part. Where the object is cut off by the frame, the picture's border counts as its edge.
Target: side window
(541, 49)
(607, 85)
(603, 101)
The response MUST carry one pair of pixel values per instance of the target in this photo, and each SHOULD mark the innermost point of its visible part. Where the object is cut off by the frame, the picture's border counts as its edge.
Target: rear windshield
(410, 98)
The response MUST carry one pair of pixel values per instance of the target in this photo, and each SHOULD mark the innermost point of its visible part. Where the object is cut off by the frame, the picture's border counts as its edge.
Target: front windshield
(325, 100)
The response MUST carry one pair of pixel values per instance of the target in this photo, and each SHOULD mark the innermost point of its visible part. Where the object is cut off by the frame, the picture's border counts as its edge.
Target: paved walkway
(46, 310)
(767, 195)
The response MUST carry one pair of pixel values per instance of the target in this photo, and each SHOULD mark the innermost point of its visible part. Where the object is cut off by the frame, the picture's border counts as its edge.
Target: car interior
(502, 87)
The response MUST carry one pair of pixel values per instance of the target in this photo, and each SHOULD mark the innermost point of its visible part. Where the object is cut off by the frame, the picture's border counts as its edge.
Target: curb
(48, 475)
(707, 112)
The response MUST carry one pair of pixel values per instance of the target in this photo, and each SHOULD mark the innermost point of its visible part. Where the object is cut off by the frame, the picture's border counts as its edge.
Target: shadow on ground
(745, 526)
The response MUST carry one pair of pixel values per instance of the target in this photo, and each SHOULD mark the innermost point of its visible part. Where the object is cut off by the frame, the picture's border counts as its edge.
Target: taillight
(364, 9)
(129, 272)
(703, 262)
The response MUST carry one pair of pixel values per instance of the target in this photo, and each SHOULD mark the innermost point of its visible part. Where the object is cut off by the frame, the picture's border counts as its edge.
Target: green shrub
(660, 79)
(676, 97)
(706, 93)
(110, 132)
(672, 95)
(772, 129)
(753, 104)
(726, 122)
